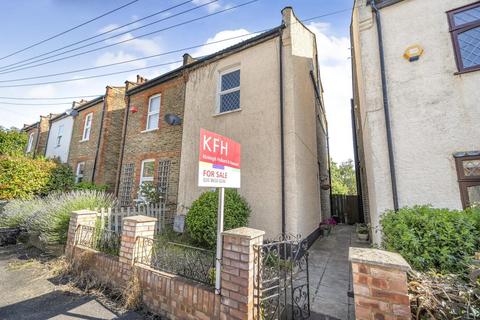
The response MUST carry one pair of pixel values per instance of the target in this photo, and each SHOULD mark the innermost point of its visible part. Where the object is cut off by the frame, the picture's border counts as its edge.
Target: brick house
(151, 147)
(37, 136)
(96, 138)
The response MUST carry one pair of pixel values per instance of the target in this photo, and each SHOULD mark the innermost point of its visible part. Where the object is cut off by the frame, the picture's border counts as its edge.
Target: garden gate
(281, 279)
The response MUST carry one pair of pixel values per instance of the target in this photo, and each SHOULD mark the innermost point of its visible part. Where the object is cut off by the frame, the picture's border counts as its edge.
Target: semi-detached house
(417, 115)
(37, 134)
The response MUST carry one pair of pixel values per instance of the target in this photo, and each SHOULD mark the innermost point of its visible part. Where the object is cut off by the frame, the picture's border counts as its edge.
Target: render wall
(256, 126)
(434, 111)
(60, 151)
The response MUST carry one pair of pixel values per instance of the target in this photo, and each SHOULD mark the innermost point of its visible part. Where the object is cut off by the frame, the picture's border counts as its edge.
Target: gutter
(122, 151)
(282, 139)
(99, 137)
(386, 108)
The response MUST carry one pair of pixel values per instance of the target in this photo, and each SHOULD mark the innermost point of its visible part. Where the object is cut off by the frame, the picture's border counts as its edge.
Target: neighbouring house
(37, 136)
(266, 94)
(416, 80)
(59, 136)
(96, 138)
(151, 147)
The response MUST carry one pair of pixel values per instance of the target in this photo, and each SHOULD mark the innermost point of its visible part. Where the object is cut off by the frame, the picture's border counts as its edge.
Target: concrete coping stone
(244, 232)
(140, 218)
(378, 257)
(83, 212)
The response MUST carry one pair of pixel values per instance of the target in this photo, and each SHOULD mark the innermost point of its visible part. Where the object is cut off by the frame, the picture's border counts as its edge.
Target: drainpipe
(120, 163)
(386, 109)
(282, 140)
(99, 136)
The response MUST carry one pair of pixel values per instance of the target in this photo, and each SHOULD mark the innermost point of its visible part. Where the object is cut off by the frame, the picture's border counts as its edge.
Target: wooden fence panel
(345, 207)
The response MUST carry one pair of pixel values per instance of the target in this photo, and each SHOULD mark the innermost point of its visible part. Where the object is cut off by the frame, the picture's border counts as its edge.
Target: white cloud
(44, 91)
(335, 71)
(211, 48)
(108, 27)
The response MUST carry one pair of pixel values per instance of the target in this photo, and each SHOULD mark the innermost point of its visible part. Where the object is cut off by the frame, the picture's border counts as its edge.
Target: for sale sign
(219, 161)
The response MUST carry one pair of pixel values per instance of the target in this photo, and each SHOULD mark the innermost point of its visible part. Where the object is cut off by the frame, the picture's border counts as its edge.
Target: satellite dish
(72, 112)
(172, 119)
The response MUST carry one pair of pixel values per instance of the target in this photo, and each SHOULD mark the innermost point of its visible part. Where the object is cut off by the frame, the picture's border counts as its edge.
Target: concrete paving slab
(330, 275)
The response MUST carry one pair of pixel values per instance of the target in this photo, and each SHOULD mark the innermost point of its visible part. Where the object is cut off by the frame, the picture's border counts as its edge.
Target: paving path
(331, 276)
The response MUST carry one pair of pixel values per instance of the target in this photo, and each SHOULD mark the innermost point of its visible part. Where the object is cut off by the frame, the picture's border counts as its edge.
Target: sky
(28, 22)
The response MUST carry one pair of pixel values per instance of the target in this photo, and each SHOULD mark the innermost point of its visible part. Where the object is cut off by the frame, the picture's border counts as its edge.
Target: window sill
(467, 71)
(226, 112)
(149, 130)
(84, 140)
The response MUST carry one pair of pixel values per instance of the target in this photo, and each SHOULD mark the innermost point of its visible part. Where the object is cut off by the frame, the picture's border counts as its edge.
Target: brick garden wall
(162, 144)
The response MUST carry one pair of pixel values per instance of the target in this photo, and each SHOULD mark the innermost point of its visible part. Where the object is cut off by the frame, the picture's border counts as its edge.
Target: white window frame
(150, 113)
(87, 127)
(79, 175)
(220, 92)
(146, 179)
(60, 135)
(30, 142)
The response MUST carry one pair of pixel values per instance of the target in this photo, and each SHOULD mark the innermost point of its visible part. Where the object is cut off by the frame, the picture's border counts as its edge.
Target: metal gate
(281, 279)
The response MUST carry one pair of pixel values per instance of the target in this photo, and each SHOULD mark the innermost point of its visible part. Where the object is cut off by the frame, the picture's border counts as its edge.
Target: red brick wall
(162, 144)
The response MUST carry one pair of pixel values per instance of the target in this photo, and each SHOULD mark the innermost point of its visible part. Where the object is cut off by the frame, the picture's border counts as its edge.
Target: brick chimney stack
(140, 79)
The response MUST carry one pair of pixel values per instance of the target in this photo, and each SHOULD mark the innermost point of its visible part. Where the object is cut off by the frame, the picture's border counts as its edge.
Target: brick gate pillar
(379, 284)
(79, 217)
(237, 291)
(133, 227)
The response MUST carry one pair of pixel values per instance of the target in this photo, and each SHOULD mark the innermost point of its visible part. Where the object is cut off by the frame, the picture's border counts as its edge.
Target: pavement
(28, 291)
(331, 275)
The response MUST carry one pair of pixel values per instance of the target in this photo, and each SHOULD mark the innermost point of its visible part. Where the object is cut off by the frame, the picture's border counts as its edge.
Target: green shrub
(428, 238)
(12, 142)
(201, 220)
(49, 216)
(90, 186)
(24, 177)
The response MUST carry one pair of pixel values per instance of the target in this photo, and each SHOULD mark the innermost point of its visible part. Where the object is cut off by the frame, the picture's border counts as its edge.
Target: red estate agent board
(219, 161)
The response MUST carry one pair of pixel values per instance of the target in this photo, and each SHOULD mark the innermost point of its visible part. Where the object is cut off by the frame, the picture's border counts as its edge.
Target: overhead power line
(68, 30)
(137, 37)
(35, 104)
(157, 55)
(146, 57)
(20, 64)
(56, 98)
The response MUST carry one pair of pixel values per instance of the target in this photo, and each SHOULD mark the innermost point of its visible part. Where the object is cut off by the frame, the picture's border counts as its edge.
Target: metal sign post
(218, 264)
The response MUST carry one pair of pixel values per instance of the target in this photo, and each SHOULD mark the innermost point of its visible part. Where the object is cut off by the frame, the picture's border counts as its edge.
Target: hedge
(433, 239)
(24, 177)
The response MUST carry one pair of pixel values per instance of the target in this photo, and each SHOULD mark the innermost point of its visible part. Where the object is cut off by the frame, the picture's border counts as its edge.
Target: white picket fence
(111, 218)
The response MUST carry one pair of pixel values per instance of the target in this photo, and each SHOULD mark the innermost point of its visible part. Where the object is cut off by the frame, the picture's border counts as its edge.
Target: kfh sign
(219, 161)
(218, 166)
